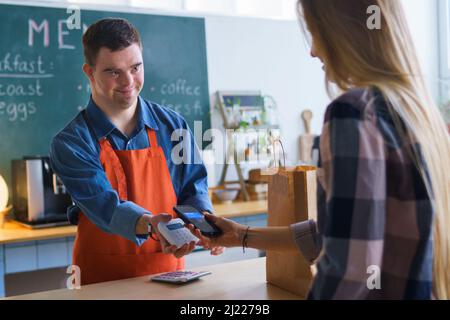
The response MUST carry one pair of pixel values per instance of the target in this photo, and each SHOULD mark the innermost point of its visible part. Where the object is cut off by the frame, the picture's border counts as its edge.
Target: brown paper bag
(291, 199)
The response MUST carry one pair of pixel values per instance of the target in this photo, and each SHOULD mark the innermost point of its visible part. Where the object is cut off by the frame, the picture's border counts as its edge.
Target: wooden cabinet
(52, 253)
(34, 255)
(37, 255)
(20, 257)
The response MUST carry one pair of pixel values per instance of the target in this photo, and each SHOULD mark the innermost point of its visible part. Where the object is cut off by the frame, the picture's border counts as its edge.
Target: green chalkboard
(42, 86)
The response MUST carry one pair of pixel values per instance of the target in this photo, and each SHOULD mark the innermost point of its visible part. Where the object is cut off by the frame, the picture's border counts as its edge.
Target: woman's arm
(269, 238)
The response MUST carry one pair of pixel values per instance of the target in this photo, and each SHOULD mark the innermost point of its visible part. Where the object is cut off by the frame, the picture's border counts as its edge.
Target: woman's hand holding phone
(196, 219)
(231, 236)
(215, 249)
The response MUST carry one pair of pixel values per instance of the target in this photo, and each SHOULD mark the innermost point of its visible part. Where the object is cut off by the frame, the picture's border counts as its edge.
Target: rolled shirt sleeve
(306, 238)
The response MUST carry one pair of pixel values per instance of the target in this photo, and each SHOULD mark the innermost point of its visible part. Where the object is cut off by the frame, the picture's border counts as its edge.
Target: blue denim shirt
(75, 158)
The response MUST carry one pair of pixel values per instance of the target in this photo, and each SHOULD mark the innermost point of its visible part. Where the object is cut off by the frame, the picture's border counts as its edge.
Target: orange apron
(140, 176)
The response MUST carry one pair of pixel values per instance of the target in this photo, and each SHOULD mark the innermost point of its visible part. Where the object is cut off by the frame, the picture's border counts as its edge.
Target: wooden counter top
(13, 232)
(242, 280)
(239, 209)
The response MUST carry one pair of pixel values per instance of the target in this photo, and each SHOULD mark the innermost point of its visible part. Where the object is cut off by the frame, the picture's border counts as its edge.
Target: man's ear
(88, 71)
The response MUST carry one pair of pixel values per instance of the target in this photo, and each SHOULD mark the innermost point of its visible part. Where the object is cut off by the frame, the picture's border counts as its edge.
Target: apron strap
(152, 138)
(107, 154)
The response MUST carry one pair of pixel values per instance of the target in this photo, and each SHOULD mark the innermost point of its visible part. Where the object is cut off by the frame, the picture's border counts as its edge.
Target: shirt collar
(102, 126)
(146, 115)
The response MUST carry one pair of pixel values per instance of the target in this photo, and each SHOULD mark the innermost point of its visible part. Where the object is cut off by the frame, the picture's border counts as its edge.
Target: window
(444, 57)
(273, 9)
(99, 2)
(444, 50)
(157, 4)
(216, 6)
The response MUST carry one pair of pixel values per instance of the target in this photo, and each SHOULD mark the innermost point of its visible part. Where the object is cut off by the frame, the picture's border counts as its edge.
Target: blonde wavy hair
(356, 56)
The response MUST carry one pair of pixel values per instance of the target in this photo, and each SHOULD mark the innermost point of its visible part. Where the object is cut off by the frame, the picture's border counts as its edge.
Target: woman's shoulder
(352, 104)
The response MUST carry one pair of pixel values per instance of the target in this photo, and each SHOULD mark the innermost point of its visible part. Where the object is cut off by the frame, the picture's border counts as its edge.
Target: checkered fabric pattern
(374, 212)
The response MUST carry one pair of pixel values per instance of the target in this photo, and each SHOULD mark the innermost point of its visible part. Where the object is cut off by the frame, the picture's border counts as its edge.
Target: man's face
(117, 77)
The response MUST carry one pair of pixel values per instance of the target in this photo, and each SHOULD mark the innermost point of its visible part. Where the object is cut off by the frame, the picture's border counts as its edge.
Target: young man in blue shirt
(115, 160)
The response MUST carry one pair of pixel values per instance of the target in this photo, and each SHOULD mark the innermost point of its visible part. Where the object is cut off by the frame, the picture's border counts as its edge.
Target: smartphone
(190, 215)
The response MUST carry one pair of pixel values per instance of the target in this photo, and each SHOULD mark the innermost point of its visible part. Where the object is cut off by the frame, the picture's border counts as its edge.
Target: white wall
(267, 55)
(422, 17)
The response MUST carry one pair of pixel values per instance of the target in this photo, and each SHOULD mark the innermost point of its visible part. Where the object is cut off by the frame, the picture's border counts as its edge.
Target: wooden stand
(231, 153)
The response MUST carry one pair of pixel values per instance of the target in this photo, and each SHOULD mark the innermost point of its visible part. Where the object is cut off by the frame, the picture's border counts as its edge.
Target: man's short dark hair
(113, 33)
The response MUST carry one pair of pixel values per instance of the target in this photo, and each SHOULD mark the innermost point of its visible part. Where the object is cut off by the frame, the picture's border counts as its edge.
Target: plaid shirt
(374, 212)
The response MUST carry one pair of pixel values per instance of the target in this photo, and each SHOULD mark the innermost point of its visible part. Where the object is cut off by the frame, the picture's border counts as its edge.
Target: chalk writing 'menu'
(34, 27)
(42, 29)
(61, 34)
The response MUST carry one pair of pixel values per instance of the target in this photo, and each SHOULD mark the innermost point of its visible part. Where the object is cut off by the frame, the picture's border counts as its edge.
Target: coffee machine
(39, 197)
